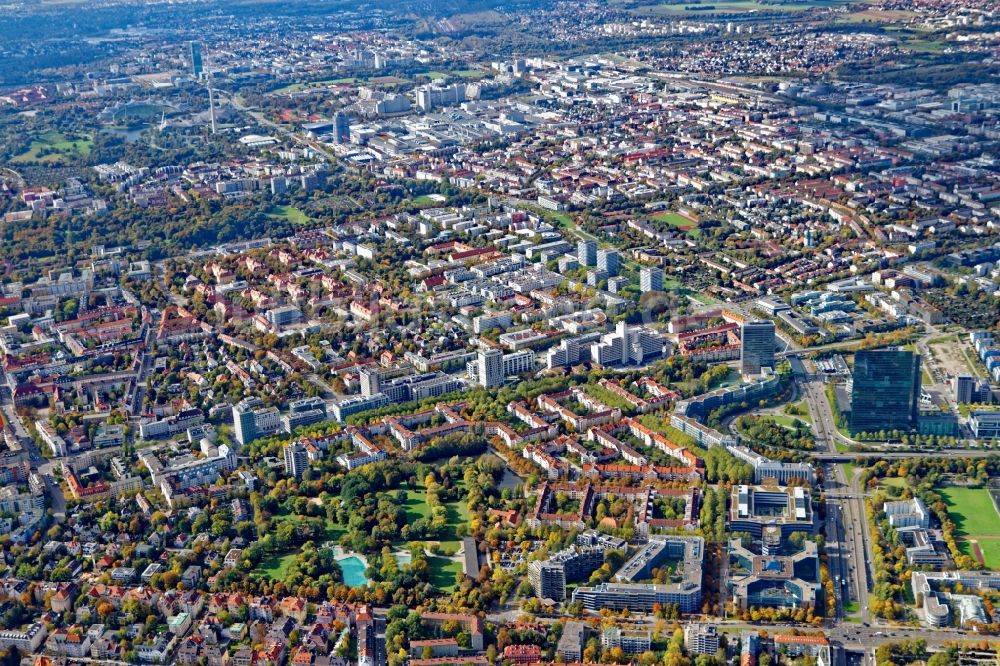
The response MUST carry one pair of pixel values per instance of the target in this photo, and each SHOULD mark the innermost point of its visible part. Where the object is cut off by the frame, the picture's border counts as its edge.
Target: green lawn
(799, 406)
(436, 75)
(416, 505)
(990, 546)
(704, 299)
(561, 218)
(276, 566)
(565, 221)
(849, 471)
(425, 200)
(55, 148)
(450, 543)
(449, 547)
(298, 87)
(893, 482)
(458, 511)
(443, 572)
(673, 219)
(458, 514)
(679, 221)
(290, 213)
(442, 569)
(334, 531)
(923, 45)
(972, 511)
(787, 421)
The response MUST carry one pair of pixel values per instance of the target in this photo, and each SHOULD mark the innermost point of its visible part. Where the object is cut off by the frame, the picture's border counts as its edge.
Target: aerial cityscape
(468, 332)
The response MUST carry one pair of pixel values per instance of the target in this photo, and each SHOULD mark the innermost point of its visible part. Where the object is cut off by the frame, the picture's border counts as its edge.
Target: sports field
(977, 523)
(677, 220)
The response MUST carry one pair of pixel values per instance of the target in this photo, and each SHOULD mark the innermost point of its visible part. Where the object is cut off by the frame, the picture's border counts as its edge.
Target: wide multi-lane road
(845, 529)
(845, 508)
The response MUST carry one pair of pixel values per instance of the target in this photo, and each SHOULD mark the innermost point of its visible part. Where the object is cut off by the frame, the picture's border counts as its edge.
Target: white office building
(252, 420)
(629, 641)
(907, 513)
(701, 638)
(627, 346)
(650, 279)
(492, 367)
(609, 260)
(296, 459)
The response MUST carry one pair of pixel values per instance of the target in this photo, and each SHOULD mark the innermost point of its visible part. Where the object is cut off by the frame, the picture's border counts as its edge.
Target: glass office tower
(886, 392)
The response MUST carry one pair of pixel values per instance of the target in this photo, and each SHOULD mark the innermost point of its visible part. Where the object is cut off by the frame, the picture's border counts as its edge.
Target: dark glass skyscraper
(342, 128)
(196, 65)
(757, 347)
(886, 393)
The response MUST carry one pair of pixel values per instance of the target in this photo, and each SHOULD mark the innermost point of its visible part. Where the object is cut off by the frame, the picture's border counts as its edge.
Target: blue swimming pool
(354, 571)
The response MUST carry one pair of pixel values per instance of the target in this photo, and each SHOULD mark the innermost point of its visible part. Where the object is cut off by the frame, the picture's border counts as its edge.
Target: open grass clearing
(893, 482)
(443, 572)
(290, 213)
(786, 421)
(561, 218)
(426, 200)
(54, 147)
(416, 505)
(803, 411)
(276, 566)
(875, 15)
(972, 511)
(310, 85)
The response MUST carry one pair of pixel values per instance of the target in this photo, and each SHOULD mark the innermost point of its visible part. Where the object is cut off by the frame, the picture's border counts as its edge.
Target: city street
(845, 509)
